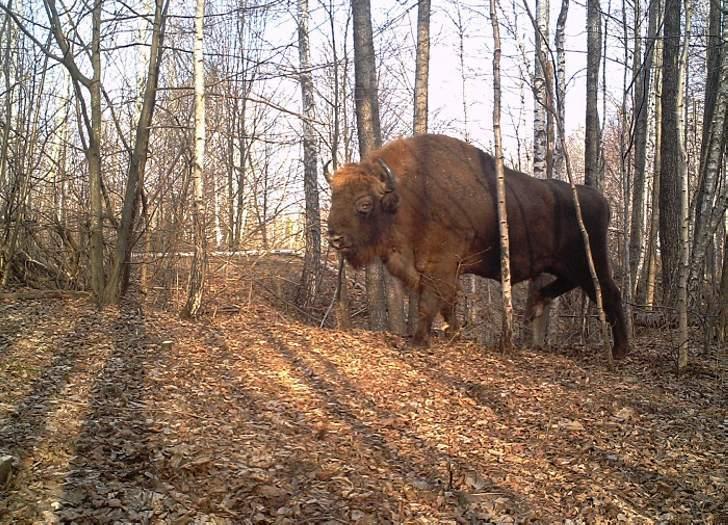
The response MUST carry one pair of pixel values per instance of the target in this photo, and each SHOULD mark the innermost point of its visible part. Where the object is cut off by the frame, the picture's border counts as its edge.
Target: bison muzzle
(427, 207)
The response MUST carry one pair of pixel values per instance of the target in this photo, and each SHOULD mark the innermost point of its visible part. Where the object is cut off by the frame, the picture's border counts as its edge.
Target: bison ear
(390, 202)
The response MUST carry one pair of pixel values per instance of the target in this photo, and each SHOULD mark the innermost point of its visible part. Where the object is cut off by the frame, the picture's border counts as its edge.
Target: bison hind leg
(540, 298)
(539, 302)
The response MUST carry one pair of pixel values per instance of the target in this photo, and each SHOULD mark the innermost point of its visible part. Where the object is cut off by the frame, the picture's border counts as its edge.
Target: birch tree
(419, 125)
(560, 88)
(542, 144)
(560, 102)
(684, 269)
(643, 79)
(507, 332)
(650, 270)
(540, 89)
(714, 140)
(312, 258)
(198, 269)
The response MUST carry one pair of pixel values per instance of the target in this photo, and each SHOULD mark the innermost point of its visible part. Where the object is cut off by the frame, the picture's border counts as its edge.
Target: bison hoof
(420, 342)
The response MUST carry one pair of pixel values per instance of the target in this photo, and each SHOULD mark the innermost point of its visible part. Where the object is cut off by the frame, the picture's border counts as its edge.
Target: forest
(183, 339)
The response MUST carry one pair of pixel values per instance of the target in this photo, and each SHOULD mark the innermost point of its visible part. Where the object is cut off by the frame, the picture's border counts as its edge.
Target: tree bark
(723, 296)
(560, 87)
(684, 268)
(643, 75)
(422, 67)
(542, 143)
(593, 62)
(93, 157)
(716, 108)
(670, 153)
(198, 269)
(648, 281)
(312, 258)
(540, 136)
(505, 266)
(370, 138)
(118, 279)
(419, 126)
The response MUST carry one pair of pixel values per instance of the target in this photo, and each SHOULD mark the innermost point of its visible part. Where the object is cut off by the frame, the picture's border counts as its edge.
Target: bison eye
(364, 206)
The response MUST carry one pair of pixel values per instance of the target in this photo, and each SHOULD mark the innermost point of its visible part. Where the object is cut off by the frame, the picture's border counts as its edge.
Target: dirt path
(252, 419)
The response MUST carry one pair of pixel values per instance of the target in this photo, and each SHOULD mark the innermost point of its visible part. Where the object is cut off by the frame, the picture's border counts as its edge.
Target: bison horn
(327, 172)
(389, 182)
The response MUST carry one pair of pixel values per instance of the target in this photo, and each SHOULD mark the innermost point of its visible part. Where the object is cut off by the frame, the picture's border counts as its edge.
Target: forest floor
(252, 417)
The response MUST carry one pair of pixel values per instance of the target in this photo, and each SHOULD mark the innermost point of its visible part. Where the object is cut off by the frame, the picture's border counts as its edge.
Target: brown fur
(440, 221)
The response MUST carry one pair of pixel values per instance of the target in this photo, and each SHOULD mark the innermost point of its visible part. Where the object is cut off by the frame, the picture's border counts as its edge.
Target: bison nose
(337, 241)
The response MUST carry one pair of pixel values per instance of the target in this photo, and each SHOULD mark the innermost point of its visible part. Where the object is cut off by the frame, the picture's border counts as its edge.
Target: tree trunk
(342, 313)
(723, 296)
(370, 138)
(716, 107)
(558, 169)
(684, 268)
(312, 258)
(650, 272)
(582, 228)
(593, 62)
(505, 267)
(93, 157)
(643, 78)
(670, 153)
(118, 278)
(540, 139)
(542, 168)
(422, 67)
(198, 269)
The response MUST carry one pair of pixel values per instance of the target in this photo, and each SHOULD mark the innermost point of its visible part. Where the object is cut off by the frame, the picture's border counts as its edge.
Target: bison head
(363, 203)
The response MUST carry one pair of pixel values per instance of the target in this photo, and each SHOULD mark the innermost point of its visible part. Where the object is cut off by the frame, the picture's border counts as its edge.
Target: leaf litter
(251, 418)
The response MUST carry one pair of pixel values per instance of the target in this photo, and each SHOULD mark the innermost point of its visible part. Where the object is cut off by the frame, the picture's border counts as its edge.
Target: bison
(427, 207)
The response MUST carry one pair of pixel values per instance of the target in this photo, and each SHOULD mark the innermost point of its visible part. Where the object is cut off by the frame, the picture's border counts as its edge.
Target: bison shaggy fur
(427, 207)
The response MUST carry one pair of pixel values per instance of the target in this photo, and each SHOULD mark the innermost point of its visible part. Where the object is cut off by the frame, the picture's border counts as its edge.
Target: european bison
(427, 206)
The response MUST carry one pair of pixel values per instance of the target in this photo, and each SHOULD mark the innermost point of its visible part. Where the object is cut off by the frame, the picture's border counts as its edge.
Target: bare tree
(723, 294)
(505, 266)
(422, 68)
(370, 137)
(312, 259)
(714, 139)
(671, 149)
(651, 257)
(643, 78)
(540, 88)
(118, 279)
(542, 144)
(684, 197)
(558, 168)
(198, 269)
(579, 217)
(593, 62)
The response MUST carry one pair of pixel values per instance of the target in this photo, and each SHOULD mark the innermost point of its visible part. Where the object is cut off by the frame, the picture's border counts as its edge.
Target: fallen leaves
(248, 418)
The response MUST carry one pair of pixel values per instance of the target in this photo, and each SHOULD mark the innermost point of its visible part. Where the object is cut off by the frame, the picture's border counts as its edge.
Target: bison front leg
(452, 329)
(437, 294)
(427, 307)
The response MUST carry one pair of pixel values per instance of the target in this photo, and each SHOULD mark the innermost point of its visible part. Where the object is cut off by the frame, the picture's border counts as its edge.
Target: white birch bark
(198, 268)
(684, 271)
(507, 332)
